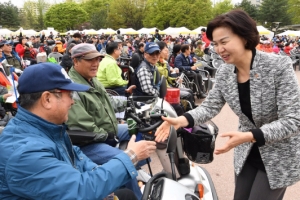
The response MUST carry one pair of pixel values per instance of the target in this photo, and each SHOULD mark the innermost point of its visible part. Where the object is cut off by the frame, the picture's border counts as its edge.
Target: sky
(19, 3)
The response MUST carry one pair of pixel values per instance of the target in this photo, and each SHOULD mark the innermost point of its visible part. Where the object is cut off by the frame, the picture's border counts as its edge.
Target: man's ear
(75, 62)
(46, 100)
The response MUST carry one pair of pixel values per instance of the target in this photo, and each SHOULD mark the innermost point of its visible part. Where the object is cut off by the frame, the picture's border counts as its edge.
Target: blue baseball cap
(151, 47)
(47, 76)
(5, 42)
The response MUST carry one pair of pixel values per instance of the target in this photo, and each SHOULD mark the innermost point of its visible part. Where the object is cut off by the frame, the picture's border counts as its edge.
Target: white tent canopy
(5, 32)
(198, 30)
(47, 32)
(147, 30)
(177, 31)
(27, 33)
(90, 32)
(106, 31)
(263, 31)
(128, 31)
(72, 32)
(290, 33)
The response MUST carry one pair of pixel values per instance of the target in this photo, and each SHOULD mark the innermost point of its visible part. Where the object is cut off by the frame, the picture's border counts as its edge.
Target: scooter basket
(199, 144)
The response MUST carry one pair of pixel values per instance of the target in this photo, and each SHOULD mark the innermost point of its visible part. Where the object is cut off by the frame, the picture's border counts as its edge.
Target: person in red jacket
(21, 47)
(205, 39)
(287, 48)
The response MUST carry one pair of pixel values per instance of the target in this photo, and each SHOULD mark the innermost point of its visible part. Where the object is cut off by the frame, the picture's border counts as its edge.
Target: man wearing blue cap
(12, 57)
(37, 159)
(147, 75)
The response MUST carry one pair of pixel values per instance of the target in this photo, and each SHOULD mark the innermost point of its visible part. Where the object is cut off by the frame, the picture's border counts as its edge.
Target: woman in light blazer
(262, 90)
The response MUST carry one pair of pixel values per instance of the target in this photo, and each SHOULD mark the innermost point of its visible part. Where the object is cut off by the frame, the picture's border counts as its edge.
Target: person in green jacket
(109, 73)
(94, 111)
(198, 51)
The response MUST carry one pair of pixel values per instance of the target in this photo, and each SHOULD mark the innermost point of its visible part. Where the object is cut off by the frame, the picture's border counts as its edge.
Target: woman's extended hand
(163, 130)
(235, 139)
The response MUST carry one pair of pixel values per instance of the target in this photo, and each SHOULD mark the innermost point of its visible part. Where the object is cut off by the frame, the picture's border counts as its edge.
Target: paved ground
(221, 169)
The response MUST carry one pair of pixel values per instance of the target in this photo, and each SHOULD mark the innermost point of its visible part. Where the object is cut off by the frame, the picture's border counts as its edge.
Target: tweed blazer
(275, 104)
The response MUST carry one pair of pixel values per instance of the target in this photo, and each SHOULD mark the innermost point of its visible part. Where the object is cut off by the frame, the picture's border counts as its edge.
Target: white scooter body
(185, 184)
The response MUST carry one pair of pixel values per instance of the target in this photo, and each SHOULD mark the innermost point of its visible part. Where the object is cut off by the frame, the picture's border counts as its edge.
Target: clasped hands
(235, 137)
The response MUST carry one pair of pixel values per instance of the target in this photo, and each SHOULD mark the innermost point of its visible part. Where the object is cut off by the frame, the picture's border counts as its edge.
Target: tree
(42, 6)
(29, 15)
(247, 6)
(99, 19)
(274, 11)
(9, 15)
(294, 10)
(65, 16)
(97, 11)
(158, 14)
(126, 13)
(163, 14)
(222, 7)
(32, 15)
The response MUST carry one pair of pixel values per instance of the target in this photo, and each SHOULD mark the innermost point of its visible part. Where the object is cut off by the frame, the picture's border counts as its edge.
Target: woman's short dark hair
(240, 23)
(176, 48)
(110, 47)
(185, 47)
(161, 45)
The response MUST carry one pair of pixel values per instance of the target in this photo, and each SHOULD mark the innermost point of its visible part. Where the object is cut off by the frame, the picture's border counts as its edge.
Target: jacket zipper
(73, 163)
(116, 133)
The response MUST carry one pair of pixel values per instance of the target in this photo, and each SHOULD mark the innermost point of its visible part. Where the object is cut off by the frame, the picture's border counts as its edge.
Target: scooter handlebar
(152, 127)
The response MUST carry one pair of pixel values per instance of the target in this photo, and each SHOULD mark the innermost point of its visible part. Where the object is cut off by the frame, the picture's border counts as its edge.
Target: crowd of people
(70, 95)
(279, 45)
(81, 63)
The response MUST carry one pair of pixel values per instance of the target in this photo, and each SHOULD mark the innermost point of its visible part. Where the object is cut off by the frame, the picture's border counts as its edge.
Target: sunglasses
(7, 45)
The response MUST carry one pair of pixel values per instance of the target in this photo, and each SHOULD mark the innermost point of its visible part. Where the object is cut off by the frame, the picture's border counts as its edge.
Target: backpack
(33, 53)
(27, 54)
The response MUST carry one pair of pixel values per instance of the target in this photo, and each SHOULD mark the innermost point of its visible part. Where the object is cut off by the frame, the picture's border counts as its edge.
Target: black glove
(112, 140)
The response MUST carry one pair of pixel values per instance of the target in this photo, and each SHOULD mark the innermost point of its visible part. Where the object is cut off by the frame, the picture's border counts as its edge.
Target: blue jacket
(182, 64)
(38, 161)
(99, 46)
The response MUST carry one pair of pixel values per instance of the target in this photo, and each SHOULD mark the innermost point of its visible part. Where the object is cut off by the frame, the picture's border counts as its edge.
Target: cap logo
(153, 45)
(63, 71)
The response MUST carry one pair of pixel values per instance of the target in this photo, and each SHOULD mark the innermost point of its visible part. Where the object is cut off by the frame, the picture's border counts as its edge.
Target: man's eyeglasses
(7, 45)
(71, 93)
